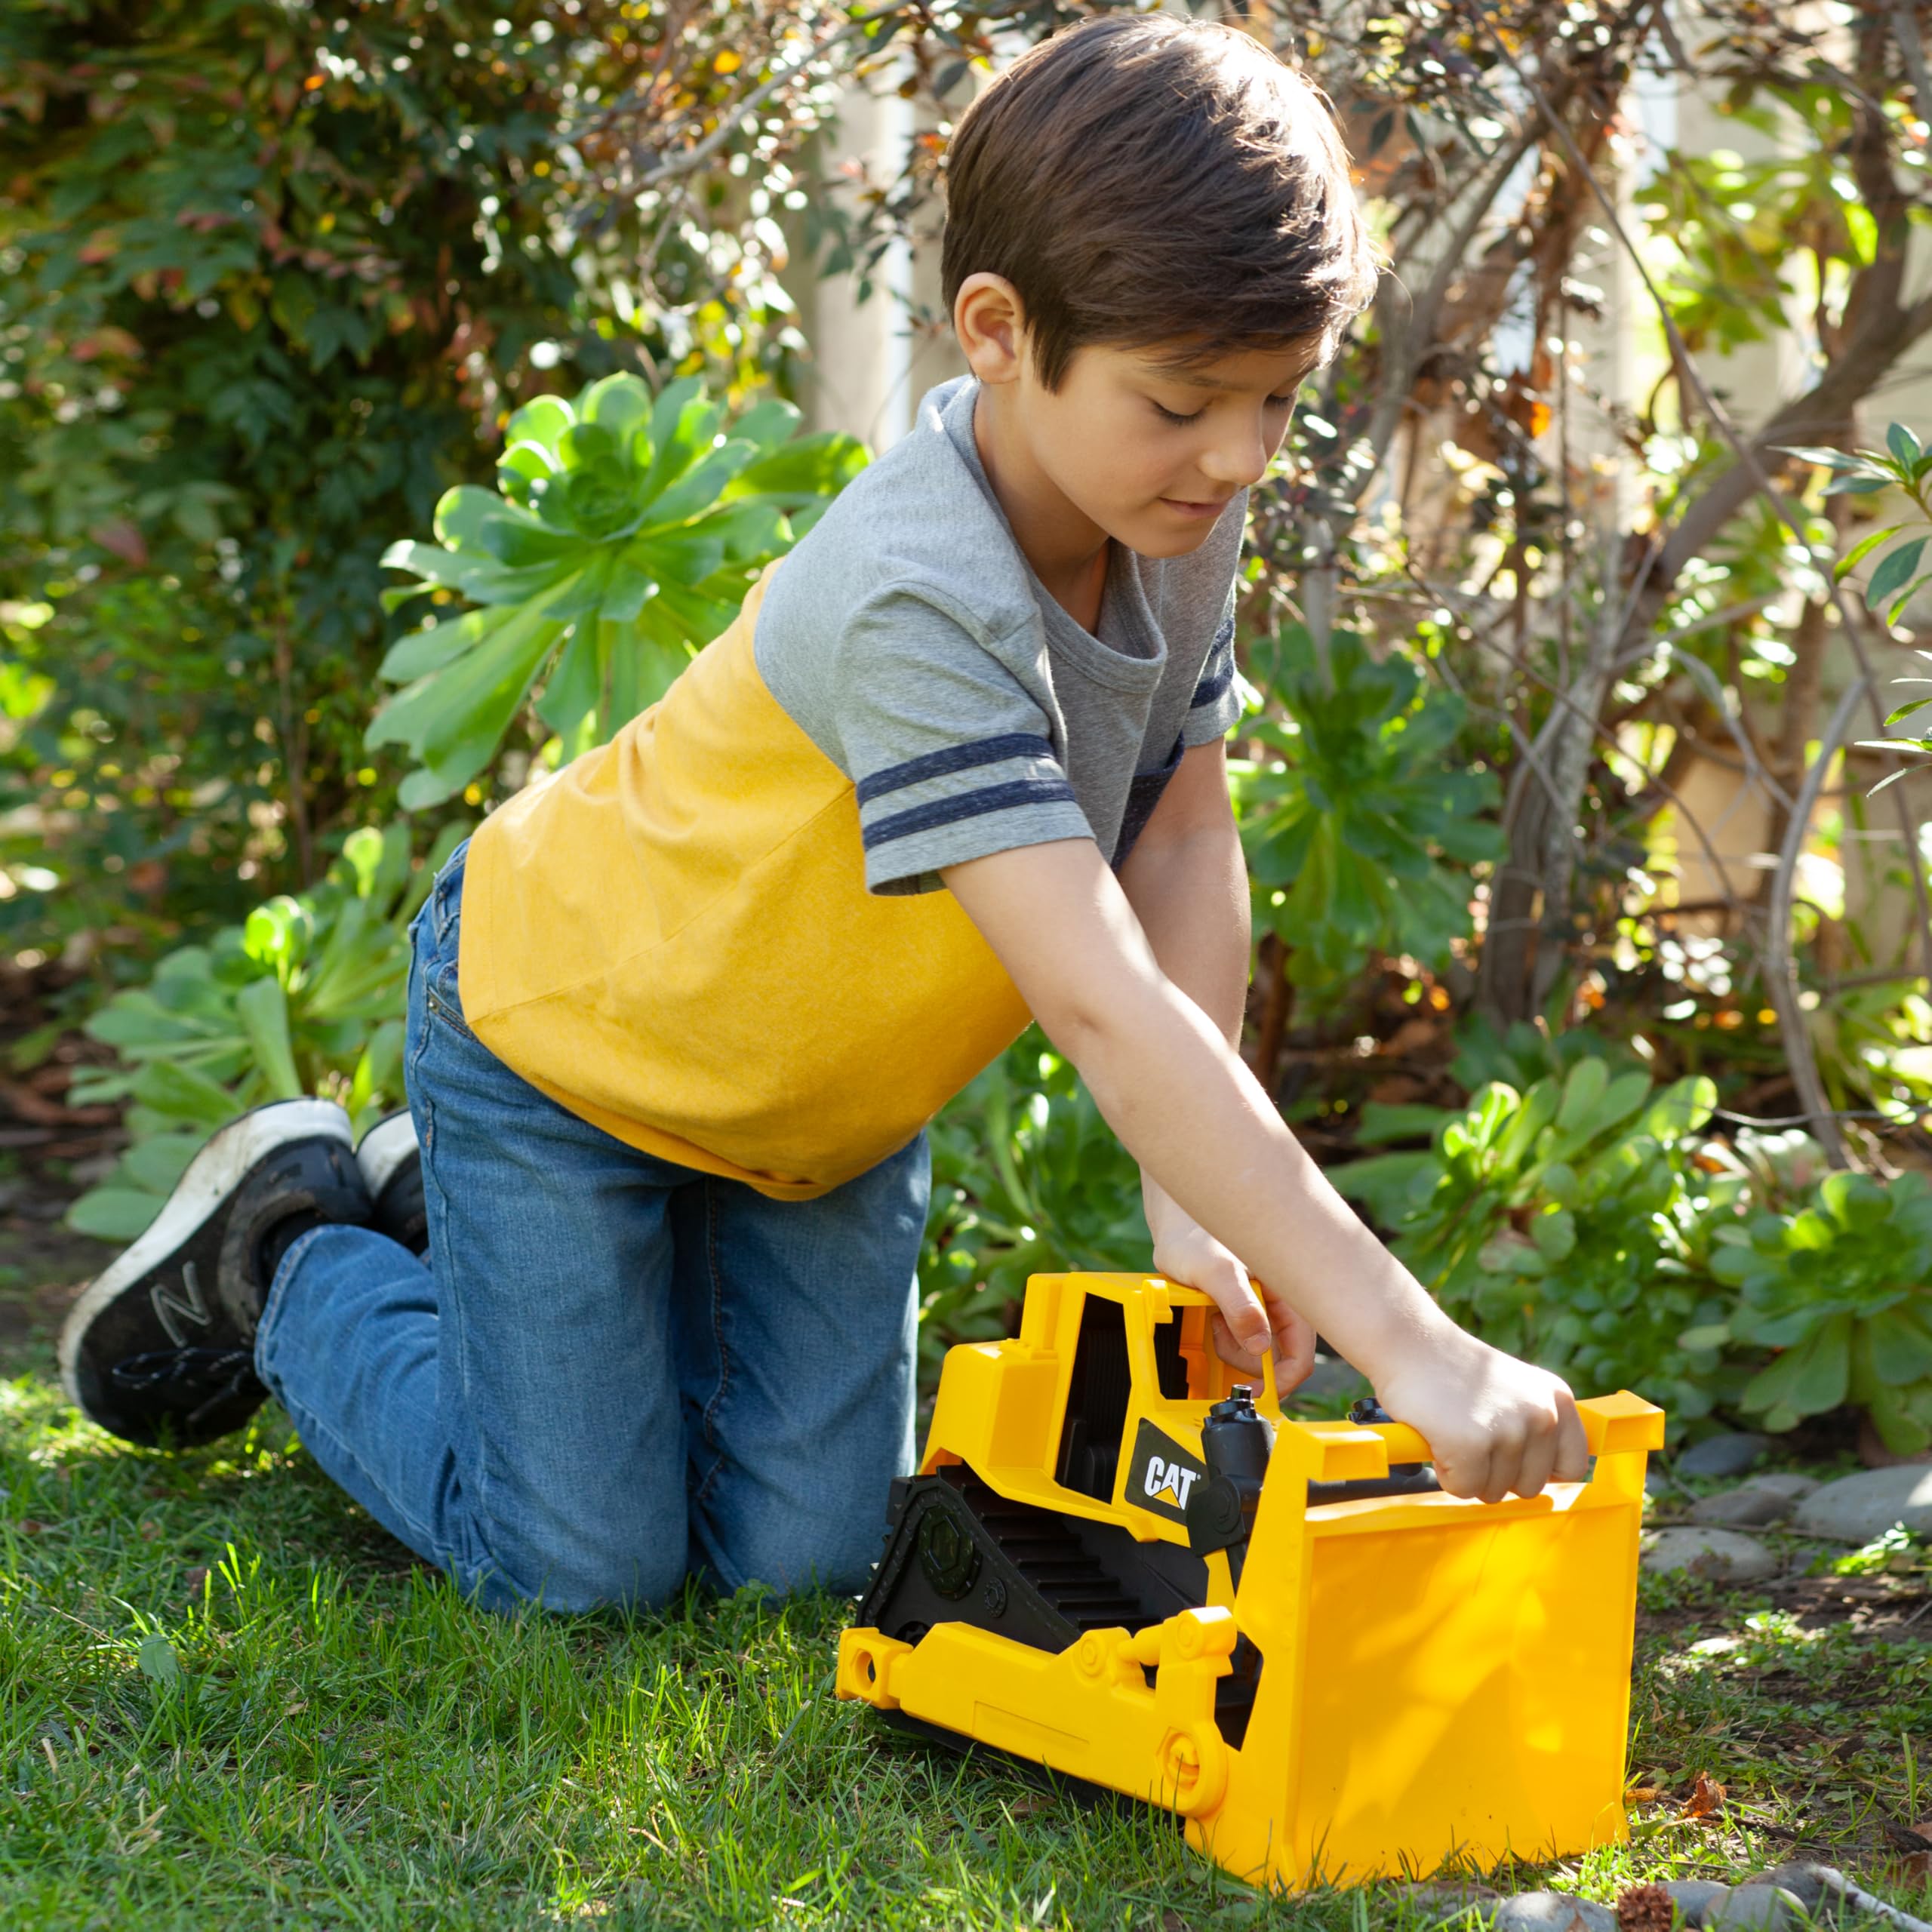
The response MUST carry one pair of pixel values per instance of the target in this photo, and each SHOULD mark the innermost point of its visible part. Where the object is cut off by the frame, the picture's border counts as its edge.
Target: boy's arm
(1188, 885)
(1175, 1091)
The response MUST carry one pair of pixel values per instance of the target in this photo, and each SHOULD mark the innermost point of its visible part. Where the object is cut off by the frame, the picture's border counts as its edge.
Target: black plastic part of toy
(1235, 1444)
(1035, 1576)
(1078, 1791)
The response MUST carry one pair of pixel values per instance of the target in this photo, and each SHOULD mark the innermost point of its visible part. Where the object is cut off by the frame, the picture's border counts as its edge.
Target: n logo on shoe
(171, 1308)
(1161, 1474)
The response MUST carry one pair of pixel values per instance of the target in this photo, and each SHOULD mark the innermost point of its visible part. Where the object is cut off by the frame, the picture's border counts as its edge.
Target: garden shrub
(1558, 1223)
(1841, 1289)
(624, 531)
(1358, 821)
(624, 534)
(305, 997)
(270, 277)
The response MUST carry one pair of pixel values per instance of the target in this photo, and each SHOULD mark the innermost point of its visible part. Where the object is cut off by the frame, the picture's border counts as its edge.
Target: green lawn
(228, 1701)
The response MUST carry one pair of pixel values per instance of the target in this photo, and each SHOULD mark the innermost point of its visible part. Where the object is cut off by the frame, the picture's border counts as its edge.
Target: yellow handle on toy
(1613, 1425)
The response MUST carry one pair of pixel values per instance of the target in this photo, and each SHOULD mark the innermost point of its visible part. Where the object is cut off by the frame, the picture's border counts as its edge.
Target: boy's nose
(1239, 458)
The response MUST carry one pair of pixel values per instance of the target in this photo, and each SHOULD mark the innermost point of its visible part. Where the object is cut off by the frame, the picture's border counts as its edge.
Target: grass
(227, 1700)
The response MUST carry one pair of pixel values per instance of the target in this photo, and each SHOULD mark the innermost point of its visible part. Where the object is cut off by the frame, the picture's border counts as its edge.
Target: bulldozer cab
(1096, 1408)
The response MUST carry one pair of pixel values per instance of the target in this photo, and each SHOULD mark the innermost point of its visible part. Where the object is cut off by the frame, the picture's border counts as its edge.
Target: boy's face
(1151, 449)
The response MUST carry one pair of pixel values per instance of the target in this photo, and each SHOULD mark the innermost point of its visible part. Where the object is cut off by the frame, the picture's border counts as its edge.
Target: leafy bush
(624, 534)
(1027, 1179)
(1558, 1223)
(306, 997)
(1348, 821)
(1841, 1290)
(270, 278)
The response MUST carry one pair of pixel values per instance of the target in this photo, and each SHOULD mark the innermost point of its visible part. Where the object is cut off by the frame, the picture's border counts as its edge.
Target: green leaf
(1901, 1347)
(620, 404)
(1582, 1091)
(1894, 572)
(1555, 1234)
(1809, 1377)
(157, 1163)
(114, 1214)
(261, 1006)
(542, 421)
(1682, 1108)
(1902, 444)
(1708, 1335)
(172, 1086)
(1825, 459)
(1381, 1123)
(1860, 550)
(158, 1662)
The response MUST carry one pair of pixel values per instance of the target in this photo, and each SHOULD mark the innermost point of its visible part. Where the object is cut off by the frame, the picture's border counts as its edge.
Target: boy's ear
(990, 321)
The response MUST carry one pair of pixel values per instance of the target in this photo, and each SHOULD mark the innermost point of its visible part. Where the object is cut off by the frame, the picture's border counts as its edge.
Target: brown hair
(1140, 178)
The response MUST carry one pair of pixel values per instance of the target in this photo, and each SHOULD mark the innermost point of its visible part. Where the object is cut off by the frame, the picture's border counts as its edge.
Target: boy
(678, 1017)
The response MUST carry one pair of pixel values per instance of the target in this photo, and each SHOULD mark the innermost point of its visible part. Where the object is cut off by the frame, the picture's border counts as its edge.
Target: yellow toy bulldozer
(1118, 1563)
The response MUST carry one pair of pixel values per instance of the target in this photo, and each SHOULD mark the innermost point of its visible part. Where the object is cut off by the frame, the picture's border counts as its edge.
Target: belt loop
(448, 882)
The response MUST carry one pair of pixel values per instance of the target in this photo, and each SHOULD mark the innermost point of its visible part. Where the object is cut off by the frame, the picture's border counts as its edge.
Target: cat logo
(1161, 1475)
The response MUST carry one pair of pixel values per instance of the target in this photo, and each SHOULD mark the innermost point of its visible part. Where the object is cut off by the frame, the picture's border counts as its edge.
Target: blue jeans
(614, 1371)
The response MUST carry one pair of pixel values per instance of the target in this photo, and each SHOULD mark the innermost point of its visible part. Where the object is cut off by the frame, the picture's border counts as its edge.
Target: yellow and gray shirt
(722, 937)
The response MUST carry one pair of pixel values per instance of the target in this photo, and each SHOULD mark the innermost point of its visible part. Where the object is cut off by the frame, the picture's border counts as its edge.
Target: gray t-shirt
(908, 638)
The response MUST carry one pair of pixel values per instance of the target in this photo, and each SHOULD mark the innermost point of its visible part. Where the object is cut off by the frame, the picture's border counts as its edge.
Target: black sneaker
(391, 1164)
(161, 1349)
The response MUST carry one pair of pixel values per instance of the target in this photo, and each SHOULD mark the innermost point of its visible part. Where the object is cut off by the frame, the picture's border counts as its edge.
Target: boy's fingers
(1463, 1474)
(1539, 1464)
(1294, 1348)
(1241, 1307)
(1572, 1446)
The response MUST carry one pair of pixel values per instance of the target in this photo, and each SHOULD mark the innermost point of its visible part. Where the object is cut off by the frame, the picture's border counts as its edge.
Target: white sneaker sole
(384, 1149)
(211, 1177)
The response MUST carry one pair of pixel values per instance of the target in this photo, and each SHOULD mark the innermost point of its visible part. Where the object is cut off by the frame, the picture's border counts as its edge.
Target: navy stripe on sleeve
(968, 805)
(1213, 685)
(1219, 672)
(954, 757)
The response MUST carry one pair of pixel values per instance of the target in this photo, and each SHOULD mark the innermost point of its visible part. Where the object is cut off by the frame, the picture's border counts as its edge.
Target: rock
(1858, 1509)
(1552, 1912)
(1803, 1880)
(1726, 1555)
(1786, 1482)
(1695, 1897)
(1722, 1455)
(1657, 1483)
(1448, 1897)
(1750, 1506)
(1756, 1908)
(1763, 1500)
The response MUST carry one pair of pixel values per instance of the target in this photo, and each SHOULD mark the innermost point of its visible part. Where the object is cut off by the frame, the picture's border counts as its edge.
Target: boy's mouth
(1208, 510)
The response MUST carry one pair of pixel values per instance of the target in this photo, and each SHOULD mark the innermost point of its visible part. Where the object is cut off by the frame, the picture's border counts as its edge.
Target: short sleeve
(1215, 709)
(952, 759)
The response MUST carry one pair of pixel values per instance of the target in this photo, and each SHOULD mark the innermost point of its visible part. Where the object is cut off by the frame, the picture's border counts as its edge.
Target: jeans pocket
(441, 994)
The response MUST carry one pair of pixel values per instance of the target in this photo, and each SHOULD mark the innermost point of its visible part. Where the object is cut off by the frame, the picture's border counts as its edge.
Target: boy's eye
(1173, 416)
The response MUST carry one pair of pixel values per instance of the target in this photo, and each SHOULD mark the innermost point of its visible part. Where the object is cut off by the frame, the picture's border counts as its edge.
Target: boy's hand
(1495, 1426)
(1247, 1322)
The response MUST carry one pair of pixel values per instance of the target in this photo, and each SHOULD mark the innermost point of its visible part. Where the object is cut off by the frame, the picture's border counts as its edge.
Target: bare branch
(1781, 964)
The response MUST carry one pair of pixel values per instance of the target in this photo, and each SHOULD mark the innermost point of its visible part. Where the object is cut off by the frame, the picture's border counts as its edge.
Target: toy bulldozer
(1116, 1563)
